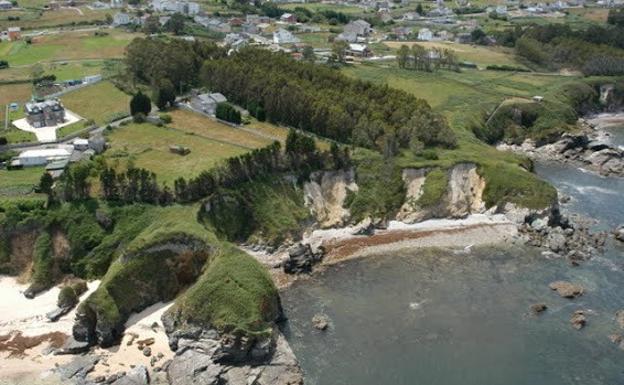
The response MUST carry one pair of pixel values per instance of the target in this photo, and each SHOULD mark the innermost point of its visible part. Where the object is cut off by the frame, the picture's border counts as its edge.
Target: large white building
(43, 156)
(425, 34)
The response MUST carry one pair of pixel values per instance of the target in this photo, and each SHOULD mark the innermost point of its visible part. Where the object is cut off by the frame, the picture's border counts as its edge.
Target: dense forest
(596, 50)
(311, 97)
(322, 100)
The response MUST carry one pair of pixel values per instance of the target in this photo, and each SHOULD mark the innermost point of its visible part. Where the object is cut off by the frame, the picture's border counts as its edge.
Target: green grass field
(19, 182)
(48, 48)
(37, 18)
(147, 146)
(315, 7)
(100, 102)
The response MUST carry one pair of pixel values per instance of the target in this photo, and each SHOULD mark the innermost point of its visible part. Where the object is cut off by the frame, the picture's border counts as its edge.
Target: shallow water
(446, 317)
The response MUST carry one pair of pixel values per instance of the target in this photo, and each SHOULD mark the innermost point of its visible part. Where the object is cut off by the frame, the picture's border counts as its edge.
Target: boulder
(147, 351)
(78, 368)
(619, 233)
(57, 313)
(320, 322)
(71, 346)
(566, 289)
(619, 318)
(136, 376)
(556, 241)
(578, 319)
(301, 259)
(538, 308)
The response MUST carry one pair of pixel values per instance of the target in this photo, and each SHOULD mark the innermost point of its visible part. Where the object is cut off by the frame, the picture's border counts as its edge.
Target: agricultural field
(48, 48)
(62, 70)
(147, 146)
(101, 102)
(39, 18)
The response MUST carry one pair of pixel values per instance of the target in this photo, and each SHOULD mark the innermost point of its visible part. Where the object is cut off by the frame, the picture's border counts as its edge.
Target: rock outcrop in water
(585, 150)
(463, 195)
(325, 195)
(566, 289)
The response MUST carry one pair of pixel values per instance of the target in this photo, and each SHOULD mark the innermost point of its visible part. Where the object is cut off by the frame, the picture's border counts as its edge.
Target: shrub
(140, 103)
(67, 297)
(226, 111)
(434, 188)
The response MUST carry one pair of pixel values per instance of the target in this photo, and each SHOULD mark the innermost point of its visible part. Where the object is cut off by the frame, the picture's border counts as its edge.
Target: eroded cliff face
(325, 194)
(463, 195)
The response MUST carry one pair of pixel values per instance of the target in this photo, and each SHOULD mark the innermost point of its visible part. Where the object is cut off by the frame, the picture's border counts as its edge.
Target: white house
(282, 36)
(92, 79)
(425, 34)
(121, 18)
(4, 4)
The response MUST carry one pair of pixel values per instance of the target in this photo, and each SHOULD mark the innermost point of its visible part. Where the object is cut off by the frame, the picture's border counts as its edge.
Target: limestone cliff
(463, 194)
(325, 195)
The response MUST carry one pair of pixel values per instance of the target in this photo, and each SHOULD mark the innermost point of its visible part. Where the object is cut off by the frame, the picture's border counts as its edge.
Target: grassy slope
(465, 98)
(147, 146)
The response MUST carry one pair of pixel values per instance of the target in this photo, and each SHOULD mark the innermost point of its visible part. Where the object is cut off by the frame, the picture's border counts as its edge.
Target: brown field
(13, 93)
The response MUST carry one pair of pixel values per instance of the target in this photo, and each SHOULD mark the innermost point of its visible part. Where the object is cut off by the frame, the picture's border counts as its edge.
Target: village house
(249, 28)
(401, 33)
(257, 19)
(309, 28)
(14, 33)
(4, 4)
(207, 103)
(47, 113)
(349, 37)
(236, 21)
(359, 27)
(121, 18)
(116, 3)
(288, 18)
(282, 36)
(213, 24)
(358, 50)
(174, 6)
(425, 34)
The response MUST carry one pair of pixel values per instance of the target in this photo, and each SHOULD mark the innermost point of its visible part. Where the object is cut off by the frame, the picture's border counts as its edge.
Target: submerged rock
(578, 319)
(566, 289)
(320, 322)
(538, 308)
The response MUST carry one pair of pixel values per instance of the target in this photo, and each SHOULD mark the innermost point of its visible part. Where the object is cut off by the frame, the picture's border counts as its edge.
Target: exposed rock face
(414, 180)
(464, 194)
(566, 289)
(325, 195)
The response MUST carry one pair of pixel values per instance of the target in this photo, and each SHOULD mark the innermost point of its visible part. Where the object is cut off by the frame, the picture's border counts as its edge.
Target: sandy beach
(342, 244)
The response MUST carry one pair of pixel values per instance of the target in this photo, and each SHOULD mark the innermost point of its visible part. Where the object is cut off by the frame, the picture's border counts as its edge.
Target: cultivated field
(19, 182)
(100, 102)
(147, 146)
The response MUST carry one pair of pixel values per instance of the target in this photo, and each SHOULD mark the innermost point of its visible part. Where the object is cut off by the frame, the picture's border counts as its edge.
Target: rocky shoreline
(588, 148)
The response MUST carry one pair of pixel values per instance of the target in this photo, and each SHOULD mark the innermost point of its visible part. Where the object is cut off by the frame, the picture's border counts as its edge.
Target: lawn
(316, 7)
(100, 102)
(205, 127)
(10, 93)
(315, 39)
(147, 146)
(62, 71)
(84, 45)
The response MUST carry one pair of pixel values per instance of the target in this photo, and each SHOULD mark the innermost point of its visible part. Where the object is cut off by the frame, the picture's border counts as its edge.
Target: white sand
(29, 315)
(118, 358)
(48, 133)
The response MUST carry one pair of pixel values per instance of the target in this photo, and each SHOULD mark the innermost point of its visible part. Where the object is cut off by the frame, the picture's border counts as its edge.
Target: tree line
(138, 185)
(419, 58)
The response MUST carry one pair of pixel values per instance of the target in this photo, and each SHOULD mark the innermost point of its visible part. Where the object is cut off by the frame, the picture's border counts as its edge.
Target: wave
(596, 189)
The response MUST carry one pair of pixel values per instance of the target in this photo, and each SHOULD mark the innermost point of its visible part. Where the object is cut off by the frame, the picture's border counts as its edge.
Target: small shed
(180, 150)
(538, 98)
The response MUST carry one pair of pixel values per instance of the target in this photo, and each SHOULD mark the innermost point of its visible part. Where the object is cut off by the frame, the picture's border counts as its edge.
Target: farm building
(359, 27)
(282, 36)
(41, 157)
(425, 34)
(14, 33)
(4, 4)
(358, 50)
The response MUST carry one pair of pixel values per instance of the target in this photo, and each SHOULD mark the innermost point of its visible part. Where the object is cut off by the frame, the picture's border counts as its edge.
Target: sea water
(454, 317)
